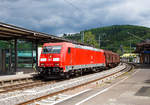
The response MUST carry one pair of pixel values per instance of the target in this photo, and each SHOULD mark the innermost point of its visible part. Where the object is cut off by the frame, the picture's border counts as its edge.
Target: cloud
(63, 16)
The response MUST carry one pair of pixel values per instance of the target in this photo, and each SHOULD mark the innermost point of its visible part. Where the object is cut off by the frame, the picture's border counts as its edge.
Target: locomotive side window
(69, 50)
(51, 49)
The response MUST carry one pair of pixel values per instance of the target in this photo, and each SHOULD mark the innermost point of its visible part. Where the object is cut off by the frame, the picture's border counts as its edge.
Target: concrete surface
(131, 89)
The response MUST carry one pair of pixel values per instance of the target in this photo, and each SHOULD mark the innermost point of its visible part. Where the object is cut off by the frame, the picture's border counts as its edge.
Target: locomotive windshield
(51, 49)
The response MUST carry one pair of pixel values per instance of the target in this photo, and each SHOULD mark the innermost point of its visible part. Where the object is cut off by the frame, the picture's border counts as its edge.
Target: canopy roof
(8, 32)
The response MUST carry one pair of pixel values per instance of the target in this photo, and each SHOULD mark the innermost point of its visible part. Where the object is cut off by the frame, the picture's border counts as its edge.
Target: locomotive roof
(76, 46)
(81, 46)
(88, 48)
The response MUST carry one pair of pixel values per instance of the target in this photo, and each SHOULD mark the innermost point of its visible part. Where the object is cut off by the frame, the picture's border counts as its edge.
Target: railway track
(25, 84)
(34, 91)
(22, 86)
(58, 94)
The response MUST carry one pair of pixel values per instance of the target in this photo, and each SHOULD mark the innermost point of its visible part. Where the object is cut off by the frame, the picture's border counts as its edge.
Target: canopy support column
(16, 57)
(36, 47)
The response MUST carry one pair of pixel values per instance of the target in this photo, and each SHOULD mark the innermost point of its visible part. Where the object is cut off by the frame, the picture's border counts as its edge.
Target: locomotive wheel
(81, 73)
(95, 70)
(77, 74)
(66, 76)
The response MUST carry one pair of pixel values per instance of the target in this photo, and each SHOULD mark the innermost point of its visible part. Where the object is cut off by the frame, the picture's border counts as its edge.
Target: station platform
(132, 88)
(16, 77)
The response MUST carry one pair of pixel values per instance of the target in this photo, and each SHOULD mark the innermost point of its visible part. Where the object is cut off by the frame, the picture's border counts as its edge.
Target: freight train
(65, 59)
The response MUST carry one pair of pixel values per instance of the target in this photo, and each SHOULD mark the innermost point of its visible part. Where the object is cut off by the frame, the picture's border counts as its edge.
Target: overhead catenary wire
(71, 4)
(80, 10)
(135, 36)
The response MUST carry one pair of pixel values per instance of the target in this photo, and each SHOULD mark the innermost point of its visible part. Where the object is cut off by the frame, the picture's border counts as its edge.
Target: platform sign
(147, 52)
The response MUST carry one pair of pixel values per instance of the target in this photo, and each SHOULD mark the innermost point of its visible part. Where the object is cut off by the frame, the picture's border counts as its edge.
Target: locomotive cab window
(51, 49)
(69, 50)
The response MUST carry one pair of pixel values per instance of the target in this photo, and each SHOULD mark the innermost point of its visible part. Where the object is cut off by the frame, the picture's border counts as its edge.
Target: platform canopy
(8, 32)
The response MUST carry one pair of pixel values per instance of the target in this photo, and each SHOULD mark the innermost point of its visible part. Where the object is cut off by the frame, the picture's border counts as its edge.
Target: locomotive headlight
(42, 64)
(56, 64)
(55, 59)
(43, 59)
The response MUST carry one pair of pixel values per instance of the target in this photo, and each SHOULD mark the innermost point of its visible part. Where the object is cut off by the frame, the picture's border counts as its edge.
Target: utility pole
(99, 40)
(130, 43)
(82, 37)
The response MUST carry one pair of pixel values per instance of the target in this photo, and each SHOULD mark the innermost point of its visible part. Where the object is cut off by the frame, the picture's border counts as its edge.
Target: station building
(19, 48)
(144, 51)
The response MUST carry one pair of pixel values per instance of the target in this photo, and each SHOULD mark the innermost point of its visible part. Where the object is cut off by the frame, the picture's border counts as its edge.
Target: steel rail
(22, 86)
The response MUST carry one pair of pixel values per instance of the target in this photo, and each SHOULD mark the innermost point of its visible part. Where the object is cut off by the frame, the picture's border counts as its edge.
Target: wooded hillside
(116, 38)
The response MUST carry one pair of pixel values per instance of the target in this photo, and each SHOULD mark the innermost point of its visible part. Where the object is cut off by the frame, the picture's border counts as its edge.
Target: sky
(70, 16)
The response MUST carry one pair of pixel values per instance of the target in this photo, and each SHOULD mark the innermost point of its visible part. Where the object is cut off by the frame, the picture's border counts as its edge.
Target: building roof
(143, 46)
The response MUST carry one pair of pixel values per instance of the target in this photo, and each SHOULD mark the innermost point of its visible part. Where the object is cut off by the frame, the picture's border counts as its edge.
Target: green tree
(89, 39)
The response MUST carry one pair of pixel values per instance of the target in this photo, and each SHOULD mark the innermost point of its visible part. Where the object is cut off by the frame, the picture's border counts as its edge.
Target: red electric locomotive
(65, 59)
